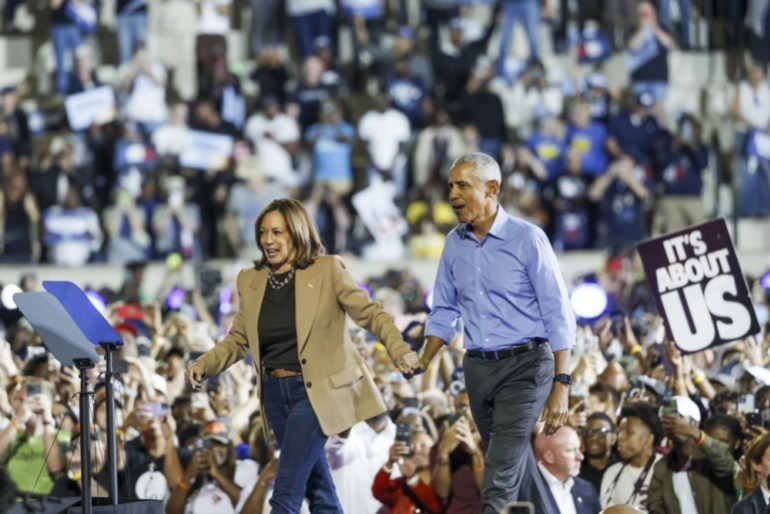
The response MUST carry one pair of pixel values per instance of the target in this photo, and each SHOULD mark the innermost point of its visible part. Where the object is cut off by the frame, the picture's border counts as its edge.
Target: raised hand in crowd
(577, 417)
(256, 501)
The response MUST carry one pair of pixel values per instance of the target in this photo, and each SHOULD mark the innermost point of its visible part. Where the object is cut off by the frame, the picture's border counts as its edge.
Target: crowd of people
(647, 426)
(338, 101)
(185, 180)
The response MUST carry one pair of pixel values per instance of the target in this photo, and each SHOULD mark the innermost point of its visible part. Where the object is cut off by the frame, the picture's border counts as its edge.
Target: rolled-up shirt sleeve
(552, 298)
(444, 312)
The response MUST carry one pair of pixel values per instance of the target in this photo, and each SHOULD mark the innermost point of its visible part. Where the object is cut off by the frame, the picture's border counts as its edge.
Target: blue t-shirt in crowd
(366, 9)
(549, 150)
(682, 174)
(589, 141)
(623, 211)
(635, 135)
(332, 157)
(407, 95)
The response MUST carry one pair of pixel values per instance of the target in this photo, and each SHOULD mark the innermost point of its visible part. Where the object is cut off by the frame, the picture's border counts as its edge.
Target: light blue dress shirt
(507, 288)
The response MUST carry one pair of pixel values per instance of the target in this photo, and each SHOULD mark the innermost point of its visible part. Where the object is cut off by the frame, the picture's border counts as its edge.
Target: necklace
(278, 284)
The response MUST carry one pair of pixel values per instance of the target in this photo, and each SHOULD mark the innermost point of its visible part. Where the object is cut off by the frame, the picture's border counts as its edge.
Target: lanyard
(639, 481)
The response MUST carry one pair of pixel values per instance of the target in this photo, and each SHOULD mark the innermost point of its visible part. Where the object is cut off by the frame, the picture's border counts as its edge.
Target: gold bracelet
(701, 439)
(636, 349)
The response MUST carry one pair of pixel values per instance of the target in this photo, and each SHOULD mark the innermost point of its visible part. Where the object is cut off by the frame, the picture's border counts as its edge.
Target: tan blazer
(338, 383)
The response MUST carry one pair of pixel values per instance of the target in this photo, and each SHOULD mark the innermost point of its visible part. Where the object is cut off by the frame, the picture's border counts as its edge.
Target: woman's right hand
(195, 375)
(198, 464)
(398, 451)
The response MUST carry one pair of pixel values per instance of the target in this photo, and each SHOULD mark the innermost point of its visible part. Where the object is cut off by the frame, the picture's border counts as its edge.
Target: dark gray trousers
(506, 399)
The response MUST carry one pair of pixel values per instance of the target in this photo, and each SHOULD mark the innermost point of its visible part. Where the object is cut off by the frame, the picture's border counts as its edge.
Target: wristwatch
(563, 378)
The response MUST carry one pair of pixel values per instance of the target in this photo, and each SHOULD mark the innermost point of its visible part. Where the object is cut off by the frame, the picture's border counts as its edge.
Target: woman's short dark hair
(307, 242)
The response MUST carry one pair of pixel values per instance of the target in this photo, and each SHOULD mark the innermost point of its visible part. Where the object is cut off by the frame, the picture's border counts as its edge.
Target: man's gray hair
(486, 167)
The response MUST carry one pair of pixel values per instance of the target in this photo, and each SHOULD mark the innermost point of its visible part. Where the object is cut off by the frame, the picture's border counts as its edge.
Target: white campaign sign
(206, 150)
(95, 106)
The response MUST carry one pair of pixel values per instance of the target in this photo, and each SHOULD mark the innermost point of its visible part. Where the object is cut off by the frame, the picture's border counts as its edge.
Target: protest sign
(206, 150)
(91, 107)
(698, 286)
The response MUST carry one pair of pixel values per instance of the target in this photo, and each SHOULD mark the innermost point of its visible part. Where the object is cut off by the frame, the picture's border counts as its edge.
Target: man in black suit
(559, 457)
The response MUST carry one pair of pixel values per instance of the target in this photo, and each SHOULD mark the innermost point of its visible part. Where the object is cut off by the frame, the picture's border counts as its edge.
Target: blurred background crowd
(136, 131)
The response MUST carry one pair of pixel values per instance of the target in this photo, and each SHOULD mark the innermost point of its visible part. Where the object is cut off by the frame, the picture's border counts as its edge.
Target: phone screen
(453, 418)
(670, 407)
(519, 508)
(119, 366)
(754, 419)
(158, 410)
(745, 403)
(404, 434)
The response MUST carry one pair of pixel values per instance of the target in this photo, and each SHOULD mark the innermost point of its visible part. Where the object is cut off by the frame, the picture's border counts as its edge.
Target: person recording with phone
(500, 276)
(685, 157)
(412, 491)
(25, 442)
(312, 381)
(176, 223)
(210, 475)
(458, 461)
(697, 474)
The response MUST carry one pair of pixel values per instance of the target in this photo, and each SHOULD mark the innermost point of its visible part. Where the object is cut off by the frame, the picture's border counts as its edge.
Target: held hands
(409, 365)
(195, 375)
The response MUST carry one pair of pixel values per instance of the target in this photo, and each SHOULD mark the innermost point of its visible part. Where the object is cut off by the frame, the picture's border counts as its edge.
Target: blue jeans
(266, 30)
(66, 39)
(685, 14)
(302, 468)
(657, 88)
(310, 26)
(528, 13)
(132, 29)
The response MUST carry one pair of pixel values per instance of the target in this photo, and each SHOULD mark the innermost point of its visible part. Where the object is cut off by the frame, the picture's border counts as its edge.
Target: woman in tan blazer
(313, 383)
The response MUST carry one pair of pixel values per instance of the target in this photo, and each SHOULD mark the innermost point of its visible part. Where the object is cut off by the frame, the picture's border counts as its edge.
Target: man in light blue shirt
(500, 275)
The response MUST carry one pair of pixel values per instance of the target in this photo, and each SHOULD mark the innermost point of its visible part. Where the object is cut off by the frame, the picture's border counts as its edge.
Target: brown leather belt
(282, 373)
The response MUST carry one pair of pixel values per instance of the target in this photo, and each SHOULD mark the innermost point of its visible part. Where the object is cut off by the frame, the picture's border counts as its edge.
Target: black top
(18, 244)
(656, 69)
(278, 326)
(130, 6)
(138, 462)
(59, 15)
(594, 475)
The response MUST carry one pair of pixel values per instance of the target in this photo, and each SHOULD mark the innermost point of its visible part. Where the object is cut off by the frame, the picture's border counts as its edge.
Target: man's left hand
(556, 408)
